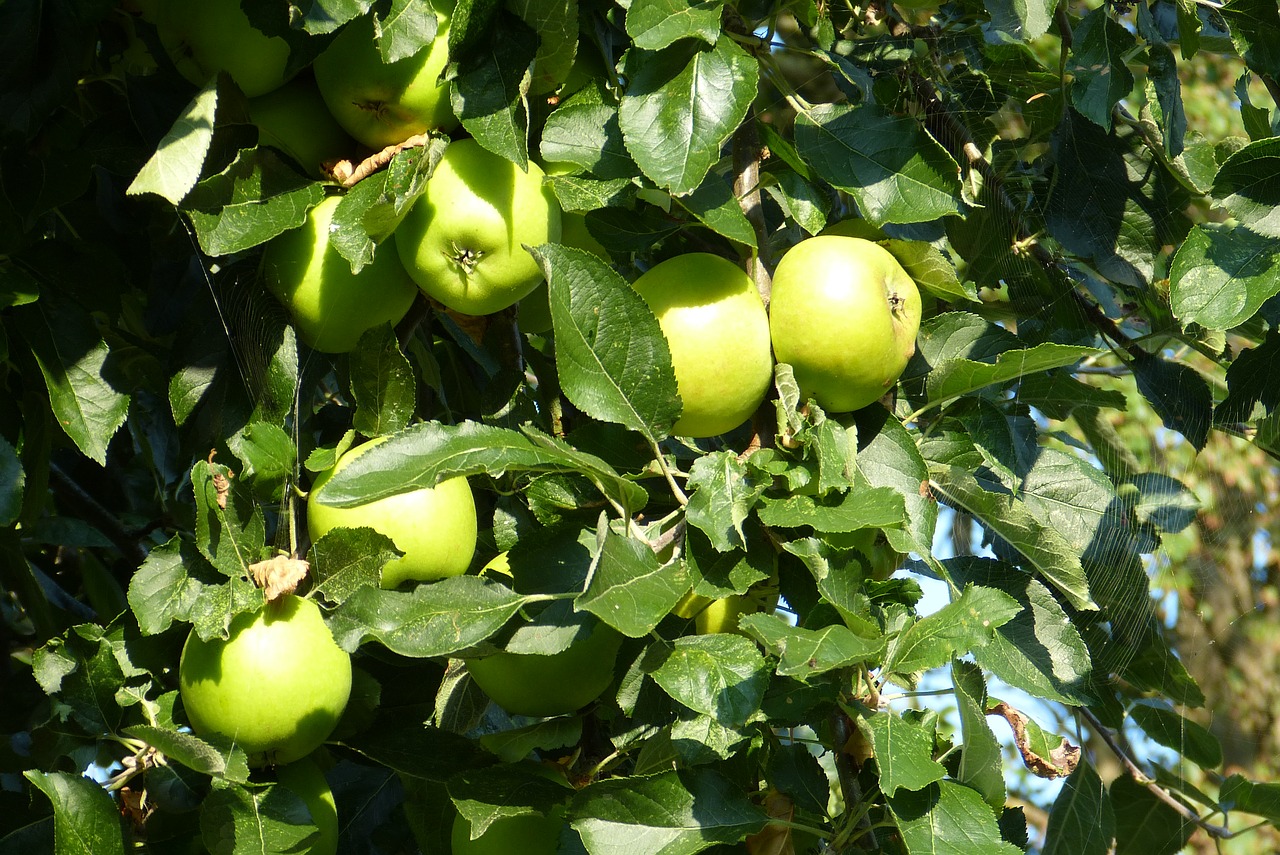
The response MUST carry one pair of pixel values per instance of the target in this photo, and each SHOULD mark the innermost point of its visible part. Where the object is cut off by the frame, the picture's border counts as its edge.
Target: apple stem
(666, 473)
(747, 154)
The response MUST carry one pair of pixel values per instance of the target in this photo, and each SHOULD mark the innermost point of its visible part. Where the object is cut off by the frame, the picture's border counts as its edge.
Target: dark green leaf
(1251, 380)
(85, 819)
(409, 27)
(1191, 740)
(630, 589)
(266, 453)
(1255, 30)
(1179, 395)
(875, 507)
(895, 171)
(408, 746)
(1145, 825)
(556, 23)
(681, 105)
(255, 821)
(956, 377)
(903, 751)
(487, 94)
(804, 653)
(588, 135)
(655, 24)
(163, 590)
(89, 396)
(230, 763)
(676, 813)
(230, 529)
(1101, 76)
(931, 270)
(613, 361)
(892, 460)
(715, 206)
(1221, 276)
(981, 763)
(1081, 821)
(345, 560)
(254, 199)
(175, 167)
(966, 623)
(1259, 799)
(12, 481)
(793, 770)
(424, 622)
(1024, 20)
(83, 673)
(382, 384)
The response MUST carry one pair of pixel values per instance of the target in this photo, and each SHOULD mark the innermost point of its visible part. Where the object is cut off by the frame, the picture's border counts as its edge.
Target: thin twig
(747, 153)
(96, 514)
(666, 473)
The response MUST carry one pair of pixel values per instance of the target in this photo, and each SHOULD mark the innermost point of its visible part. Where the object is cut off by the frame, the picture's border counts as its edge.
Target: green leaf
(966, 623)
(85, 819)
(197, 755)
(948, 819)
(1255, 30)
(427, 453)
(588, 135)
(265, 451)
(1178, 394)
(931, 270)
(981, 763)
(162, 590)
(956, 377)
(408, 28)
(484, 796)
(1039, 651)
(1081, 821)
(403, 743)
(345, 560)
(86, 390)
(681, 105)
(83, 672)
(254, 199)
(488, 93)
(424, 622)
(1058, 394)
(513, 745)
(697, 739)
(721, 675)
(676, 813)
(258, 821)
(613, 361)
(655, 24)
(804, 653)
(1145, 825)
(382, 384)
(722, 492)
(1251, 380)
(903, 751)
(793, 770)
(1024, 20)
(895, 171)
(1100, 75)
(799, 199)
(556, 23)
(892, 460)
(1221, 276)
(230, 529)
(723, 574)
(1259, 799)
(629, 588)
(175, 166)
(12, 481)
(874, 507)
(715, 206)
(1191, 740)
(1046, 549)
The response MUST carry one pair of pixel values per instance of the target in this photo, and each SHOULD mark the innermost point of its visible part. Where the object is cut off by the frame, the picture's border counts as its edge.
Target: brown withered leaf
(279, 575)
(774, 839)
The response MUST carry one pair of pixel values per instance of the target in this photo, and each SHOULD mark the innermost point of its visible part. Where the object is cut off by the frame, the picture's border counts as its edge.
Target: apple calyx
(466, 258)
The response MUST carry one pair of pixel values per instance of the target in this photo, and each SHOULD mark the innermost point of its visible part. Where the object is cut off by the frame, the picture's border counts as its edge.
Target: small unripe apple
(295, 120)
(435, 527)
(712, 317)
(215, 35)
(844, 315)
(463, 240)
(277, 685)
(382, 104)
(329, 305)
(304, 779)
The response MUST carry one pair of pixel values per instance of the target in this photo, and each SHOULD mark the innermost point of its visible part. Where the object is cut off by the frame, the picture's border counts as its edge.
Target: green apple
(555, 684)
(716, 325)
(329, 305)
(295, 120)
(435, 527)
(463, 240)
(527, 834)
(379, 103)
(304, 779)
(722, 615)
(844, 315)
(277, 685)
(215, 35)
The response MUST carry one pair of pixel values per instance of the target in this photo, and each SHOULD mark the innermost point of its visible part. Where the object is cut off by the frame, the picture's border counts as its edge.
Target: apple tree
(578, 619)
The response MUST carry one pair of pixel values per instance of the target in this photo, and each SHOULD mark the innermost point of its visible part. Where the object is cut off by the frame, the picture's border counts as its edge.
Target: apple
(844, 315)
(379, 103)
(435, 527)
(304, 779)
(555, 684)
(527, 834)
(329, 305)
(295, 120)
(855, 227)
(463, 240)
(718, 331)
(215, 35)
(722, 615)
(277, 685)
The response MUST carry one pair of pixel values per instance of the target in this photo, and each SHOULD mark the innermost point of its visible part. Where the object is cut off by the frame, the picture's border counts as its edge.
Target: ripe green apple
(463, 240)
(215, 35)
(304, 779)
(528, 834)
(277, 685)
(329, 305)
(382, 104)
(844, 315)
(554, 684)
(716, 325)
(295, 120)
(435, 527)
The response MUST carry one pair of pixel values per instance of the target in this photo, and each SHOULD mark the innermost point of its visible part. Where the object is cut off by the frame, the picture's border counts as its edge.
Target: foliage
(1086, 253)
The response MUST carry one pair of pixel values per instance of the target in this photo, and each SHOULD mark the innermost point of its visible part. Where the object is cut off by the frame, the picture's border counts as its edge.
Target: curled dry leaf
(1061, 761)
(221, 483)
(774, 839)
(348, 174)
(279, 575)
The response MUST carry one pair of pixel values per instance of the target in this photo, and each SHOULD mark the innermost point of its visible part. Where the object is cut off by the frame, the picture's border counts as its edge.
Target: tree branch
(87, 506)
(747, 153)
